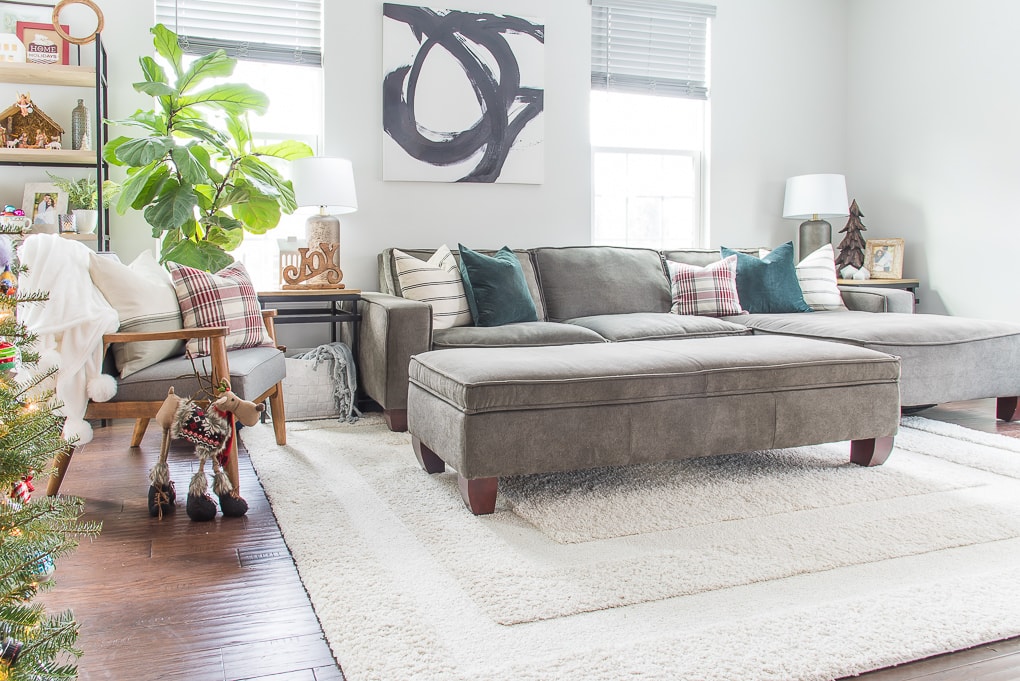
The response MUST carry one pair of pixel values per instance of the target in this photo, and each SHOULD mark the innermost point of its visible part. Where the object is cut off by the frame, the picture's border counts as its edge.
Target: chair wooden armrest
(180, 334)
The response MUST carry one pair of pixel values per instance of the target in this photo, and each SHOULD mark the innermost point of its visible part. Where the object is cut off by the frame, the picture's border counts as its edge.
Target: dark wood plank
(174, 599)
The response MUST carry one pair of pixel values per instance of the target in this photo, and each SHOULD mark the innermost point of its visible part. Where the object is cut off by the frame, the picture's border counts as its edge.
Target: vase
(81, 127)
(86, 219)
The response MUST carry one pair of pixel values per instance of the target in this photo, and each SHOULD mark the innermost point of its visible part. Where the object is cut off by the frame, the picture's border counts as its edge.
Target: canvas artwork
(463, 96)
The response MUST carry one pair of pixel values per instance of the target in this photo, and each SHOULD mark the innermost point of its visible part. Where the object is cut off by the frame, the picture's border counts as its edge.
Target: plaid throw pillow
(709, 291)
(226, 298)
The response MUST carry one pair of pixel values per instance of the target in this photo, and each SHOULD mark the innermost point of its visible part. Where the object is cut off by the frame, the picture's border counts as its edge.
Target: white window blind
(283, 31)
(650, 46)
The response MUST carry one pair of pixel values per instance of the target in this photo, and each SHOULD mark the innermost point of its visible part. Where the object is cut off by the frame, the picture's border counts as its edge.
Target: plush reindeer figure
(210, 430)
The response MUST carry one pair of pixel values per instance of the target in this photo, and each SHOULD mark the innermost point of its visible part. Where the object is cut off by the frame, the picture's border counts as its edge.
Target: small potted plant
(83, 199)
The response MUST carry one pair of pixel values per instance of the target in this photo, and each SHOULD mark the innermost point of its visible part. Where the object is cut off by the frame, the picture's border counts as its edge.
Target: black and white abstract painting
(463, 96)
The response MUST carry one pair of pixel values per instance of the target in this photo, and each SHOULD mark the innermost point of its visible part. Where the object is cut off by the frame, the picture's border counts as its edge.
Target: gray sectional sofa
(599, 294)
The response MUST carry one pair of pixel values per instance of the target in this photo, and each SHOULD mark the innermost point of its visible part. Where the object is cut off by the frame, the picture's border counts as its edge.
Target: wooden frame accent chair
(254, 374)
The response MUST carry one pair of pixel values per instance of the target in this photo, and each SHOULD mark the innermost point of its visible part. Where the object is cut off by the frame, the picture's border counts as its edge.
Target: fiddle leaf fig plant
(195, 171)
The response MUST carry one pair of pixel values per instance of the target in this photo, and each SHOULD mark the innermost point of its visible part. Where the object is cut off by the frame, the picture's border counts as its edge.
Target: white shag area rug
(782, 565)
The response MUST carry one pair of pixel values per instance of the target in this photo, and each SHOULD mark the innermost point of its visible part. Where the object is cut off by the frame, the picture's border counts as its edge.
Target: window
(648, 122)
(278, 46)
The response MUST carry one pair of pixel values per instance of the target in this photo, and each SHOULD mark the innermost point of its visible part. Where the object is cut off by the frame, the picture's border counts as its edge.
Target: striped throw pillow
(436, 282)
(226, 298)
(709, 291)
(817, 276)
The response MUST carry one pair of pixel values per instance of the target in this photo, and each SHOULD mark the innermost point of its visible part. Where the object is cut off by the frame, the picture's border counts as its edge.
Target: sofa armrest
(391, 330)
(876, 299)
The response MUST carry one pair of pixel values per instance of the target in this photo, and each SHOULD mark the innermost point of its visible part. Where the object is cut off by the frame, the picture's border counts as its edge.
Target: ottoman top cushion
(477, 380)
(887, 330)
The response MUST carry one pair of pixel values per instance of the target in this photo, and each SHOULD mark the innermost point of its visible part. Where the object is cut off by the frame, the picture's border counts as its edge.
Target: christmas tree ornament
(8, 356)
(10, 650)
(23, 490)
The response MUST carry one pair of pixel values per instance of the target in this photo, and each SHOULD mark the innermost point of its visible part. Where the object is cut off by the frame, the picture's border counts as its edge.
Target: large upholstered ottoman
(492, 412)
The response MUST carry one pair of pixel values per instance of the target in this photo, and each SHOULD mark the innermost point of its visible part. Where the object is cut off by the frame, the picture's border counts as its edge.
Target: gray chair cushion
(943, 359)
(583, 281)
(524, 334)
(253, 371)
(657, 326)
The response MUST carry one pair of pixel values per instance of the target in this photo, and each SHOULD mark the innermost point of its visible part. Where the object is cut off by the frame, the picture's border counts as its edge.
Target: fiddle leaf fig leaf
(167, 46)
(259, 215)
(288, 150)
(213, 65)
(174, 205)
(142, 151)
(191, 169)
(201, 255)
(231, 97)
(154, 89)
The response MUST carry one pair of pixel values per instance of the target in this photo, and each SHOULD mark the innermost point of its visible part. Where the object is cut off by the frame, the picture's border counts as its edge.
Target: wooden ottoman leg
(479, 494)
(872, 452)
(429, 460)
(1006, 408)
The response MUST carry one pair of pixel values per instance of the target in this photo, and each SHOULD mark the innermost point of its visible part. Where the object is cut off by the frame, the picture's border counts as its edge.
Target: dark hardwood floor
(222, 600)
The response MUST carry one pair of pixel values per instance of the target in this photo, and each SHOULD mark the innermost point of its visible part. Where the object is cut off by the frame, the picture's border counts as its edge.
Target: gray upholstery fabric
(388, 272)
(495, 412)
(583, 281)
(657, 326)
(944, 359)
(702, 256)
(253, 371)
(391, 330)
(876, 299)
(495, 379)
(524, 334)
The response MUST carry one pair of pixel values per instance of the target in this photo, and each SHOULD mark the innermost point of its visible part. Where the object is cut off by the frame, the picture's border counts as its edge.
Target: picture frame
(13, 11)
(884, 258)
(42, 203)
(43, 45)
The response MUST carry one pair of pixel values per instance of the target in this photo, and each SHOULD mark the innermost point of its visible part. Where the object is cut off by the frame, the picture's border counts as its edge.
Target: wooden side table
(907, 284)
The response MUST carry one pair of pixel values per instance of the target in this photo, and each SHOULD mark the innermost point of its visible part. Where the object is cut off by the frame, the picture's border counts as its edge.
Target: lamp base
(813, 235)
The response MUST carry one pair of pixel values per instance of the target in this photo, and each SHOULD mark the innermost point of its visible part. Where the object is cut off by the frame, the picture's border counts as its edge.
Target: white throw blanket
(70, 325)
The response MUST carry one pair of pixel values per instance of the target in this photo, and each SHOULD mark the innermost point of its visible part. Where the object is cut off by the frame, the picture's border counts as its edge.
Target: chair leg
(139, 431)
(60, 463)
(279, 415)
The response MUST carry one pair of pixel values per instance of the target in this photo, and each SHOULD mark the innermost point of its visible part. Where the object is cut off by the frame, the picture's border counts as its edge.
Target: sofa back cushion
(388, 282)
(583, 281)
(703, 256)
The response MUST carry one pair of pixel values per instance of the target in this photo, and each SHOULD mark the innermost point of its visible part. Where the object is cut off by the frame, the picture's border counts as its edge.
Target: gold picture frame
(884, 258)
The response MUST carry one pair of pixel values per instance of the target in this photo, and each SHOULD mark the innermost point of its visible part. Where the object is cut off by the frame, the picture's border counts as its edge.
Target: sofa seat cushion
(524, 334)
(635, 326)
(477, 381)
(253, 371)
(944, 359)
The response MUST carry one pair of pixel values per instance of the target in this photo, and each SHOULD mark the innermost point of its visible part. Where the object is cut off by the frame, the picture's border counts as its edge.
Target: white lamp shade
(324, 182)
(815, 196)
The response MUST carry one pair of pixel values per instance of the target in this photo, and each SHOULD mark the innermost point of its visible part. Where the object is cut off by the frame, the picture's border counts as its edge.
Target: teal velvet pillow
(768, 285)
(497, 292)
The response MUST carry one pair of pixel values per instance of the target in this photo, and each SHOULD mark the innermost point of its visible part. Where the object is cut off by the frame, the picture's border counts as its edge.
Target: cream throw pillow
(817, 276)
(436, 282)
(144, 299)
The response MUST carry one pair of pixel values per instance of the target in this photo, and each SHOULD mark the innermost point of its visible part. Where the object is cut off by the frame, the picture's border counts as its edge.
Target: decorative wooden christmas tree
(851, 248)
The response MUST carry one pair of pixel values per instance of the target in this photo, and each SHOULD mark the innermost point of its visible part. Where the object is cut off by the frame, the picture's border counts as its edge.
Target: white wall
(778, 109)
(933, 143)
(427, 214)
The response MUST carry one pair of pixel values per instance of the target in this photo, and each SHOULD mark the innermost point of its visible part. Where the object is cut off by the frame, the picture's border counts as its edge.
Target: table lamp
(813, 198)
(329, 184)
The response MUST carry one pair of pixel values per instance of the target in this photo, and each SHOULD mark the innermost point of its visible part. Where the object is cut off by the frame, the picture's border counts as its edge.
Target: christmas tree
(33, 532)
(851, 248)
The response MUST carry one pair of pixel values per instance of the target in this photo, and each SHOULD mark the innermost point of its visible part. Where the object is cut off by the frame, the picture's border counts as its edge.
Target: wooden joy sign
(314, 262)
